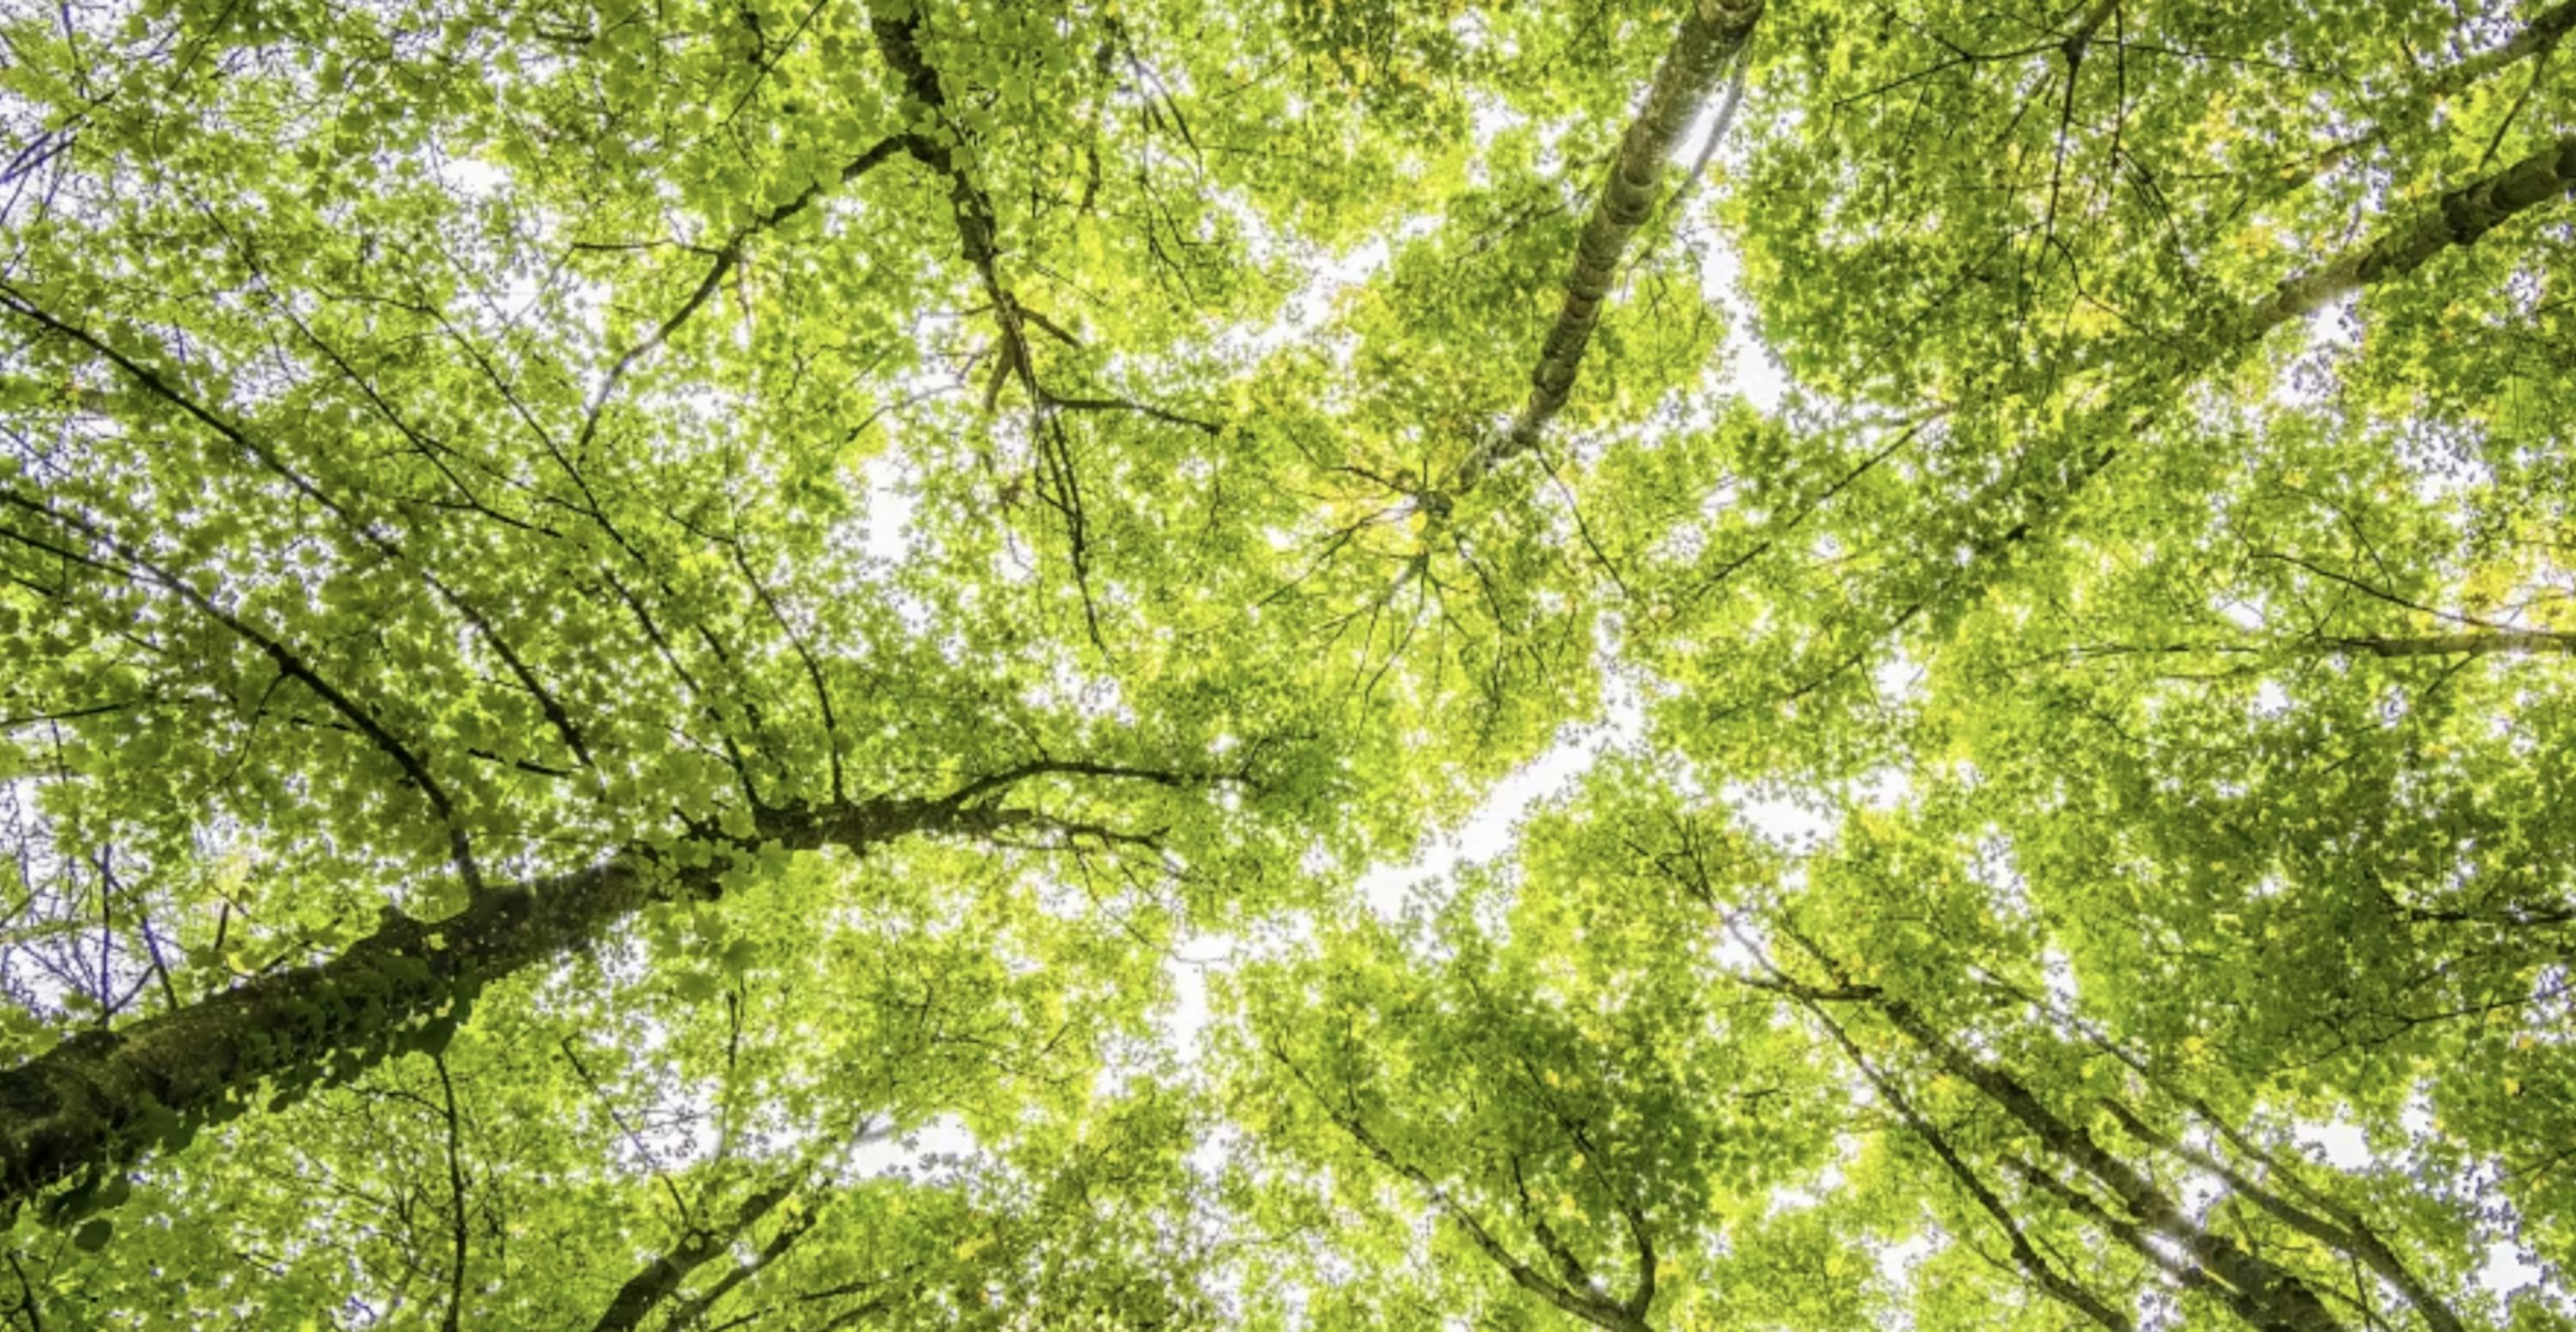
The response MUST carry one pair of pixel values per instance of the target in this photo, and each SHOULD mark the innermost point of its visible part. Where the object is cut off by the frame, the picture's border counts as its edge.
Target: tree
(645, 651)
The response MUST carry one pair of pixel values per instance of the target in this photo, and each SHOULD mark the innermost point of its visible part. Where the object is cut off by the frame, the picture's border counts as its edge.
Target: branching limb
(727, 258)
(1583, 1303)
(289, 663)
(661, 1278)
(2051, 1282)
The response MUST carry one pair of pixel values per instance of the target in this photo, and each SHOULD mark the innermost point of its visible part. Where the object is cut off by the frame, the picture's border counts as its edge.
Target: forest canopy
(1804, 665)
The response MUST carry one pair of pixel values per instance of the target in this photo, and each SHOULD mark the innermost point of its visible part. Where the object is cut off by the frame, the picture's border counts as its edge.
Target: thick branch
(289, 663)
(691, 1312)
(2459, 217)
(2055, 1284)
(106, 1096)
(982, 787)
(2487, 643)
(977, 230)
(1577, 1276)
(2129, 1234)
(1641, 1296)
(2281, 1297)
(661, 1278)
(2267, 1294)
(2345, 1233)
(2537, 38)
(455, 1197)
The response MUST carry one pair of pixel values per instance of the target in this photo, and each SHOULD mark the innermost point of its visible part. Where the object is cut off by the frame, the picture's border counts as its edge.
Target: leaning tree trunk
(2458, 217)
(102, 1098)
(1712, 34)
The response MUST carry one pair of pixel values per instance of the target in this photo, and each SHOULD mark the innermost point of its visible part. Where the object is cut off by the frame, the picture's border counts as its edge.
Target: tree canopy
(1640, 664)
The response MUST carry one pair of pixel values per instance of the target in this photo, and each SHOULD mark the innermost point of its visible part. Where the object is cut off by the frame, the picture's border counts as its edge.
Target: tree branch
(2345, 1233)
(726, 258)
(103, 1097)
(2051, 1282)
(661, 1278)
(2457, 218)
(455, 1195)
(288, 663)
(1581, 1303)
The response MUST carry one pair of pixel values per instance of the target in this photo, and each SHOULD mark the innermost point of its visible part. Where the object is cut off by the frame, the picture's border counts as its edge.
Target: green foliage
(765, 665)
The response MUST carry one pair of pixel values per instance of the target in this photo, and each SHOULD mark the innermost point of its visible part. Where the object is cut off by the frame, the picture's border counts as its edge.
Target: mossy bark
(106, 1096)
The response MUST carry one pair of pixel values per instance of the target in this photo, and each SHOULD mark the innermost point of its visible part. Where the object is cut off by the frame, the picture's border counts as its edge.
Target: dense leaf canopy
(1638, 664)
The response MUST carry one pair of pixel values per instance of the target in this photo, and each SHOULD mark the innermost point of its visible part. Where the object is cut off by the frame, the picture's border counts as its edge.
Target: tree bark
(2459, 217)
(2276, 1296)
(1712, 34)
(2343, 1232)
(2051, 1282)
(692, 1311)
(660, 1279)
(102, 1098)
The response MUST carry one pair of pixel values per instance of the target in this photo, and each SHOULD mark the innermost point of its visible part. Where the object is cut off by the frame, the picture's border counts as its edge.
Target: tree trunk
(2278, 1296)
(102, 1098)
(1712, 34)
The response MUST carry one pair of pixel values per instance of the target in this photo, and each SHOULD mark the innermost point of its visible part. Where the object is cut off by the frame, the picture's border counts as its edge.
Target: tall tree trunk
(102, 1098)
(2275, 1296)
(1712, 34)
